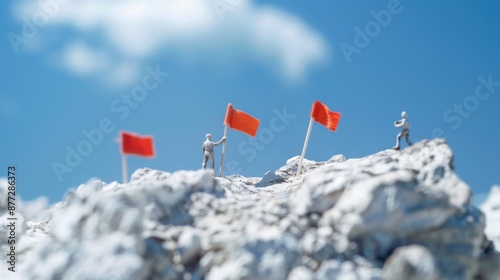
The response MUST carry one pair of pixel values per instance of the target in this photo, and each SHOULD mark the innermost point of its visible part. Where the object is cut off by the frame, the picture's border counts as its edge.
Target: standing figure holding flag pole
(241, 121)
(208, 150)
(321, 114)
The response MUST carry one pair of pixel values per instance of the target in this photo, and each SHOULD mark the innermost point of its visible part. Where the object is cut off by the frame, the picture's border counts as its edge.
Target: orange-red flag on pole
(238, 120)
(241, 121)
(321, 114)
(133, 144)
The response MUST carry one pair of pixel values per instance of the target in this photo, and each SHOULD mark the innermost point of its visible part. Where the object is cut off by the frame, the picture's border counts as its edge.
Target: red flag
(241, 121)
(324, 116)
(133, 144)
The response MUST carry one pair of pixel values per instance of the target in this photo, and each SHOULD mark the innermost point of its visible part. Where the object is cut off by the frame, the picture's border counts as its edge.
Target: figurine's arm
(399, 123)
(220, 142)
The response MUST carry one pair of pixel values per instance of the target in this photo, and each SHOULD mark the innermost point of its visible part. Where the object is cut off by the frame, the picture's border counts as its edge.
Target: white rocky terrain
(491, 208)
(391, 215)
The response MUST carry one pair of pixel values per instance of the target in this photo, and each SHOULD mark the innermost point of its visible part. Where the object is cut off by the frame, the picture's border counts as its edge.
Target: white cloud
(83, 60)
(131, 32)
(287, 38)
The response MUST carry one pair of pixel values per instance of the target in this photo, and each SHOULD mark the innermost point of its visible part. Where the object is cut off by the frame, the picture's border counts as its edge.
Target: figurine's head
(209, 136)
(404, 115)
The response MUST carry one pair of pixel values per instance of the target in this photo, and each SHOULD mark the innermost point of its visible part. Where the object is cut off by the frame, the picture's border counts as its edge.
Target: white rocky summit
(491, 208)
(392, 215)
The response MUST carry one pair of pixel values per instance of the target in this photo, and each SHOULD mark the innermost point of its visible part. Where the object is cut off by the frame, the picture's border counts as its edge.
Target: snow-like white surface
(391, 215)
(491, 208)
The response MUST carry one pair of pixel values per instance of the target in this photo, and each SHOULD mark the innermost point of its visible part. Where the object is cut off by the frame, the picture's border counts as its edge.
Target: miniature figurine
(404, 123)
(208, 150)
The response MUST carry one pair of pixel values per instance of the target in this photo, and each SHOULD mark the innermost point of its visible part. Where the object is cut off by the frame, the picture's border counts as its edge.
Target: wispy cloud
(117, 37)
(83, 60)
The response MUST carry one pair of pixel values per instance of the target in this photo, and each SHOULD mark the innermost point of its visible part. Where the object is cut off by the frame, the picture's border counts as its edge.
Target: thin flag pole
(223, 151)
(306, 142)
(124, 169)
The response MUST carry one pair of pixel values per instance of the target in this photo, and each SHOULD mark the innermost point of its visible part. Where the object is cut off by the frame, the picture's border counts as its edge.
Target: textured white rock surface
(392, 215)
(491, 208)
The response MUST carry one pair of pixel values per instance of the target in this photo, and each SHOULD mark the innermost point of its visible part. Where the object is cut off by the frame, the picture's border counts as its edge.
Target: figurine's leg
(408, 139)
(205, 161)
(398, 140)
(212, 161)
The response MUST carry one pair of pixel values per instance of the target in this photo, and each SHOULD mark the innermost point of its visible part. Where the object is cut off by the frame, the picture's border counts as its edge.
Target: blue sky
(76, 68)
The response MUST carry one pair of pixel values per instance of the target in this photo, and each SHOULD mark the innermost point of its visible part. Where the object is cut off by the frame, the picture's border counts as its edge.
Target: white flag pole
(306, 142)
(124, 169)
(124, 161)
(223, 151)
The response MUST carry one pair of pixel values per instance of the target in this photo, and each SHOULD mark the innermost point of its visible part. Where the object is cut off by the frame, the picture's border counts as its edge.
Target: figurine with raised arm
(404, 123)
(208, 150)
